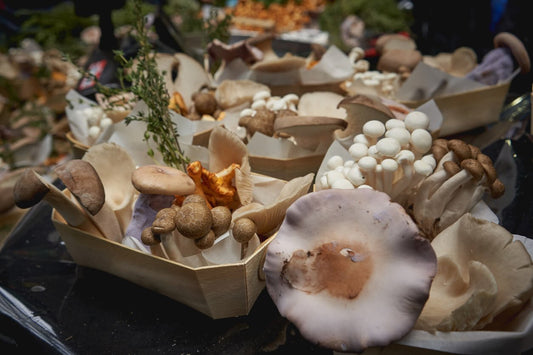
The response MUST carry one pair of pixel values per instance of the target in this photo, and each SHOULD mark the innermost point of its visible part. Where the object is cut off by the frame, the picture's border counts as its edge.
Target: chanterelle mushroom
(349, 268)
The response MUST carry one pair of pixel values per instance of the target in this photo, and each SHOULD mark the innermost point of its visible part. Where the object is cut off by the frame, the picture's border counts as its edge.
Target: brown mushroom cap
(506, 39)
(29, 190)
(349, 268)
(221, 219)
(82, 180)
(194, 220)
(243, 230)
(205, 242)
(162, 180)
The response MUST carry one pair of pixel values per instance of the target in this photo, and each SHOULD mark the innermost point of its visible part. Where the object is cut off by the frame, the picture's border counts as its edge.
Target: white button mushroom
(388, 147)
(401, 134)
(373, 129)
(342, 184)
(358, 150)
(334, 162)
(261, 95)
(421, 140)
(415, 120)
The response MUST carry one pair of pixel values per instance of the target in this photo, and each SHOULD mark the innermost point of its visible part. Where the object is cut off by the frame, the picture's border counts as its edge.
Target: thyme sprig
(147, 84)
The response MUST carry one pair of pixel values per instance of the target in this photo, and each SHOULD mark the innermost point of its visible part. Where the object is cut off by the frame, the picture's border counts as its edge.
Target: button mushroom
(349, 269)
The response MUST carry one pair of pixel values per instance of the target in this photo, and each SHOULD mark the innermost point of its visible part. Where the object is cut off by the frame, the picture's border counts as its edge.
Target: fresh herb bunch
(148, 85)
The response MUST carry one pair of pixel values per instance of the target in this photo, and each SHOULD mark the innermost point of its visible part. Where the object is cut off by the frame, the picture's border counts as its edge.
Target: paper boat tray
(219, 291)
(468, 110)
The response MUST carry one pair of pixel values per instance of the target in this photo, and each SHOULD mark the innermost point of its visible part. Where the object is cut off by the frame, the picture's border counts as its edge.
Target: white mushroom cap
(388, 147)
(421, 140)
(358, 150)
(354, 273)
(415, 120)
(374, 129)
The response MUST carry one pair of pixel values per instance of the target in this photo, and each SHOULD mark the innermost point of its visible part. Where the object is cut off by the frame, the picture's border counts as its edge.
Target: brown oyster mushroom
(244, 50)
(162, 180)
(31, 188)
(357, 261)
(394, 60)
(84, 183)
(483, 278)
(262, 121)
(162, 228)
(310, 132)
(359, 110)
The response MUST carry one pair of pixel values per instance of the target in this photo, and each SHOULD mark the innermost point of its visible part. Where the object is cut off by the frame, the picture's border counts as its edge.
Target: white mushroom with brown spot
(349, 269)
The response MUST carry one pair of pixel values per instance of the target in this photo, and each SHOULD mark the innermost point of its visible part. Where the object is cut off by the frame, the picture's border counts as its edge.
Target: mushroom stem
(31, 188)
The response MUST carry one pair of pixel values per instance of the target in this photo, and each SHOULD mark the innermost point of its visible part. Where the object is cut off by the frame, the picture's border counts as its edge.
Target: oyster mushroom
(349, 269)
(359, 110)
(84, 183)
(483, 277)
(230, 93)
(115, 167)
(310, 132)
(31, 188)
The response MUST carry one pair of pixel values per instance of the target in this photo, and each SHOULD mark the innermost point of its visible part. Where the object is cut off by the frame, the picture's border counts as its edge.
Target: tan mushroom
(31, 188)
(162, 180)
(84, 183)
(349, 269)
(483, 278)
(115, 167)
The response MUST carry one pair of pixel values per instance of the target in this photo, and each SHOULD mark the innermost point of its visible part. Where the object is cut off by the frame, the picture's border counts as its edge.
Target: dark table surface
(50, 305)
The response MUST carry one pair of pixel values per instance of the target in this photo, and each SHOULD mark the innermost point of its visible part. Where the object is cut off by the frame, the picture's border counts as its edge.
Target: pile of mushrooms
(309, 121)
(191, 216)
(460, 180)
(393, 157)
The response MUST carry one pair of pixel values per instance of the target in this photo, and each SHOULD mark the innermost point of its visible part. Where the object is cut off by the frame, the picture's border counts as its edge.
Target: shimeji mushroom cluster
(97, 122)
(392, 157)
(264, 110)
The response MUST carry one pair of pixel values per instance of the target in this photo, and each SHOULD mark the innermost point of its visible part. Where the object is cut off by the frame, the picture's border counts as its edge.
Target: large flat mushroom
(349, 269)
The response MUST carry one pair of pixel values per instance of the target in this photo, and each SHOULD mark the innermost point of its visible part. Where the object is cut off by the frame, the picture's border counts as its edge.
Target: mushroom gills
(337, 268)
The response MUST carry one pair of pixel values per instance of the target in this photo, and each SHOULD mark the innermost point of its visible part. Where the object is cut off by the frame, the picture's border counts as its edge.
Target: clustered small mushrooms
(460, 180)
(264, 110)
(97, 122)
(350, 269)
(370, 82)
(393, 157)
